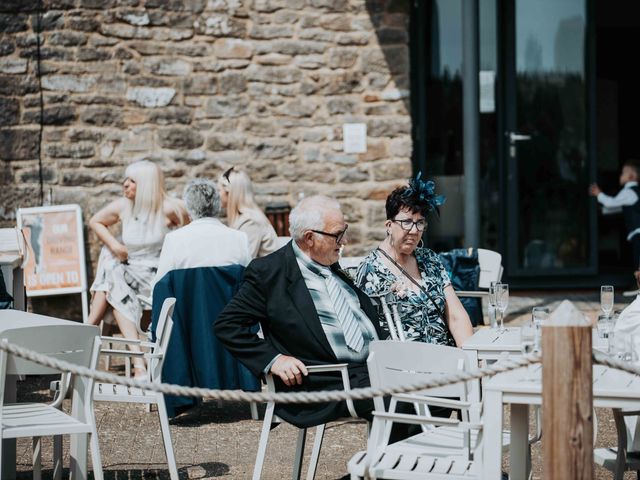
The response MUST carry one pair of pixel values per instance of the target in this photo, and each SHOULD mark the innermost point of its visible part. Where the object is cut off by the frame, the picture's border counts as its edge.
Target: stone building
(87, 86)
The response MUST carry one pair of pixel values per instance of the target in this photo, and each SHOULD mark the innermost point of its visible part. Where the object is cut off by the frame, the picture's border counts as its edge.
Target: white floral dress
(422, 315)
(124, 281)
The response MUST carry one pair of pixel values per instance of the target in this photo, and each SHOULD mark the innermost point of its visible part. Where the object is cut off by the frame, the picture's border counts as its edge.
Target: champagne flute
(539, 315)
(528, 343)
(606, 299)
(502, 301)
(492, 305)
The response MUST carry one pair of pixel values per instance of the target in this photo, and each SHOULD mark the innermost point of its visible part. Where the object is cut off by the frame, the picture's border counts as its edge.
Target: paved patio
(214, 440)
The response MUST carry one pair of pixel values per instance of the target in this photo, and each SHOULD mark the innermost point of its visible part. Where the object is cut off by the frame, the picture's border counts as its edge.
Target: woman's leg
(98, 309)
(130, 332)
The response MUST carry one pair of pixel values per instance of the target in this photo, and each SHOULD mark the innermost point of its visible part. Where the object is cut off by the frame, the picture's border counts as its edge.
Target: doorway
(560, 114)
(545, 139)
(618, 101)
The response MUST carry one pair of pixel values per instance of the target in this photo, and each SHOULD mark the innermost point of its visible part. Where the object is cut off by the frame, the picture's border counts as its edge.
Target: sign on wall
(55, 262)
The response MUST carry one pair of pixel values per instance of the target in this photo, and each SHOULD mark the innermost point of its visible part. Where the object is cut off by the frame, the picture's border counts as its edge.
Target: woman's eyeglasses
(226, 174)
(338, 236)
(407, 224)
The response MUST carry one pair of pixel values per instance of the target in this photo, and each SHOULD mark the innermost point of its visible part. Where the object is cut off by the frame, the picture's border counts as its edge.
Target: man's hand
(289, 369)
(594, 190)
(637, 275)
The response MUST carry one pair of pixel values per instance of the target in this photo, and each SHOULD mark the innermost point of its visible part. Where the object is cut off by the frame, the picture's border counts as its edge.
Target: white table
(14, 279)
(10, 319)
(611, 389)
(491, 344)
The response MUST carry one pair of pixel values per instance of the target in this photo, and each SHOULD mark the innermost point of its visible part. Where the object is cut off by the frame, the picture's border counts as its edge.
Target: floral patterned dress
(421, 315)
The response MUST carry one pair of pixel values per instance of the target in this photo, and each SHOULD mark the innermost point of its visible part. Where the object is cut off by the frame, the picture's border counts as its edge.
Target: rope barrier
(288, 397)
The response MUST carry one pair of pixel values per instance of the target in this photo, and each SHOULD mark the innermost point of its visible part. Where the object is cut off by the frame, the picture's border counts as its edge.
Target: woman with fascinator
(411, 278)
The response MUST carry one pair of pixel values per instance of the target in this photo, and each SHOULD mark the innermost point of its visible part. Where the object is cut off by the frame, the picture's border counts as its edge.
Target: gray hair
(308, 214)
(201, 198)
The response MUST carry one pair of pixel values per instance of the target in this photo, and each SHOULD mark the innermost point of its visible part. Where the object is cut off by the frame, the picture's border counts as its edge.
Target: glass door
(545, 138)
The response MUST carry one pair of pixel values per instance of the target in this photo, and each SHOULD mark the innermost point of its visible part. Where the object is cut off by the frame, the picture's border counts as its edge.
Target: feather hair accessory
(424, 191)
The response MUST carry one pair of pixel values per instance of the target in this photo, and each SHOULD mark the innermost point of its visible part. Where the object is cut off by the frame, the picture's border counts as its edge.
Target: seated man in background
(310, 311)
(201, 265)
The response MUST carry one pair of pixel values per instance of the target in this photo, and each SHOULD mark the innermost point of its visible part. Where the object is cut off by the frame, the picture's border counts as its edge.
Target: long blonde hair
(238, 185)
(150, 192)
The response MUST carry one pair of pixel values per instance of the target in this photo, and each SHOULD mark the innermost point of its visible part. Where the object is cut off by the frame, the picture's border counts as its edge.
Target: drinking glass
(539, 315)
(492, 305)
(604, 326)
(502, 301)
(606, 299)
(528, 342)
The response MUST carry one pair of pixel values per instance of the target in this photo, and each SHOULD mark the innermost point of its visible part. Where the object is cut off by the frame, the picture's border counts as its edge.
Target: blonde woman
(243, 213)
(126, 268)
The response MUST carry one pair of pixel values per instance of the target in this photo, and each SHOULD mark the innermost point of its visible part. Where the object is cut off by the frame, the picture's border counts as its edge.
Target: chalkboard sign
(55, 260)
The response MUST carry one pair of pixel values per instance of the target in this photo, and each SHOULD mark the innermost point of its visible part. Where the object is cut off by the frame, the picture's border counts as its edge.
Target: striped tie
(348, 322)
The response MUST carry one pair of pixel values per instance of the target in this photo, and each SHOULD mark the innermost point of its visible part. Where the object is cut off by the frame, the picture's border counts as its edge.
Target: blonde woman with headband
(127, 267)
(244, 214)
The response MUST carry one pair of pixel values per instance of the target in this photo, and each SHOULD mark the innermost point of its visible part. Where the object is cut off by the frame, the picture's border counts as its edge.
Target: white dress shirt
(624, 198)
(205, 242)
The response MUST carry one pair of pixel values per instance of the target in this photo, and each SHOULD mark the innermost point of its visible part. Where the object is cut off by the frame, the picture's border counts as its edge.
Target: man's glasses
(407, 224)
(338, 236)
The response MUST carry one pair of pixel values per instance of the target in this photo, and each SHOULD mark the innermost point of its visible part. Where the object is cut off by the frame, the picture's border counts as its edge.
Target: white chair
(107, 392)
(625, 456)
(445, 445)
(77, 344)
(109, 342)
(490, 263)
(270, 419)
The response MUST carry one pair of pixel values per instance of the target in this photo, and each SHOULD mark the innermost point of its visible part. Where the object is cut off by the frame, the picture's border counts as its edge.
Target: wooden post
(567, 402)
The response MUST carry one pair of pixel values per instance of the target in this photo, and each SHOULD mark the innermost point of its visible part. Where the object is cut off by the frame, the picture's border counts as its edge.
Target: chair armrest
(108, 352)
(626, 413)
(416, 419)
(334, 367)
(472, 293)
(126, 341)
(435, 401)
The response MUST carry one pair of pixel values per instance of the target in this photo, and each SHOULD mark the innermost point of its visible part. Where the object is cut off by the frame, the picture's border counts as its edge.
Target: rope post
(567, 400)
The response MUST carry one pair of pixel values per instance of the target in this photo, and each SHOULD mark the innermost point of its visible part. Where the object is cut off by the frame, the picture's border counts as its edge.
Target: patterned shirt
(333, 330)
(421, 316)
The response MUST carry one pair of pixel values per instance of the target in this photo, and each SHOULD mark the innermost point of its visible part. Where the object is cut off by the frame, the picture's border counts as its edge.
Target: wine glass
(539, 315)
(502, 301)
(528, 342)
(606, 299)
(492, 305)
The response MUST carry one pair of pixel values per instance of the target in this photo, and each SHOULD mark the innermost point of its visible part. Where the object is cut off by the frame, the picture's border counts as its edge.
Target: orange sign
(55, 262)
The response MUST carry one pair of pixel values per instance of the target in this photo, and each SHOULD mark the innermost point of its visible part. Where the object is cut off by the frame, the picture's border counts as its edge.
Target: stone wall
(199, 85)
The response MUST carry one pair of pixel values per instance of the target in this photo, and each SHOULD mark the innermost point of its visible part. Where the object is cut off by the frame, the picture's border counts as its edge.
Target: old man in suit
(310, 312)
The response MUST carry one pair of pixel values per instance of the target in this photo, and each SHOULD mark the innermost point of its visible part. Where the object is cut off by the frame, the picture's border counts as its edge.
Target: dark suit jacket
(275, 295)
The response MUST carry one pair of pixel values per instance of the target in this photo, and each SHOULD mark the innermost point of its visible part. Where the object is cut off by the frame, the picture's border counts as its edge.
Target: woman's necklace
(402, 266)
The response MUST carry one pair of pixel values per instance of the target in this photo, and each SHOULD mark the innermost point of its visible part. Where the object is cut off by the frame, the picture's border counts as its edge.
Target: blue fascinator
(424, 192)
